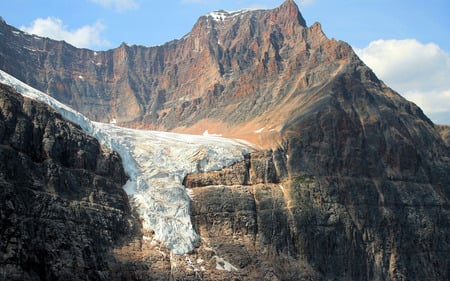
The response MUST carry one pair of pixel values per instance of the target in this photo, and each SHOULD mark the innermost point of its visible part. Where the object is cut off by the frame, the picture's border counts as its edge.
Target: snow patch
(207, 134)
(223, 15)
(222, 264)
(96, 63)
(156, 163)
(259, 131)
(29, 49)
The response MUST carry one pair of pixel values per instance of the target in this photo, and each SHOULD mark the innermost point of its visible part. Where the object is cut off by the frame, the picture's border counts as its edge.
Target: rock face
(63, 208)
(264, 63)
(324, 227)
(351, 182)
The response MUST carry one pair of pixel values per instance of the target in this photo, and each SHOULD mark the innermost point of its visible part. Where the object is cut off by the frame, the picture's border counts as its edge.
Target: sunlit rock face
(349, 181)
(256, 62)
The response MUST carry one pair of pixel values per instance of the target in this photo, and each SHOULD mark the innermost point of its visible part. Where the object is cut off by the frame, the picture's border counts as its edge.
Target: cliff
(63, 208)
(259, 62)
(350, 181)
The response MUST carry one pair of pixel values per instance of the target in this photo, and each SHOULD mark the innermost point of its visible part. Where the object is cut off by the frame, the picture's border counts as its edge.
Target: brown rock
(257, 62)
(351, 182)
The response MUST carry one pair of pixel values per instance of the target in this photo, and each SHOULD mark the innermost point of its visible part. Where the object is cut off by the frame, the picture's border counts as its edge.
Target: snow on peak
(223, 15)
(156, 163)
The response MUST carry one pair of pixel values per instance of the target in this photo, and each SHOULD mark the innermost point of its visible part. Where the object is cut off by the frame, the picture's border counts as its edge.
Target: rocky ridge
(259, 62)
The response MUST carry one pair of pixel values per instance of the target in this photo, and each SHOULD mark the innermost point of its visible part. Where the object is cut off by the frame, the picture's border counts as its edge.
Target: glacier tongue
(156, 163)
(160, 161)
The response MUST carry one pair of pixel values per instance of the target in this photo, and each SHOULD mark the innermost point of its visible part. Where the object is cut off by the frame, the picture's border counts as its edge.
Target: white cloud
(118, 5)
(420, 72)
(88, 36)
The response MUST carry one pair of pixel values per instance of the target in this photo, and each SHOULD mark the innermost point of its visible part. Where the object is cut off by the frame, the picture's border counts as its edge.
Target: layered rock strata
(316, 227)
(351, 182)
(266, 63)
(63, 209)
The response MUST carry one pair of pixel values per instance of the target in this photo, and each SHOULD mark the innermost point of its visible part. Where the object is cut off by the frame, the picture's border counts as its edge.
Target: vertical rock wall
(62, 207)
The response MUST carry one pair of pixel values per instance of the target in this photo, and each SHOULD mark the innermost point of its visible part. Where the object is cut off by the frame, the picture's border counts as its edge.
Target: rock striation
(63, 208)
(350, 182)
(323, 227)
(262, 62)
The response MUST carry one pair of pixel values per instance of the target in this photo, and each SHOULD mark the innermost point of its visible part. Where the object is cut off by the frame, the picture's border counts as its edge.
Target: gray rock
(63, 209)
(350, 183)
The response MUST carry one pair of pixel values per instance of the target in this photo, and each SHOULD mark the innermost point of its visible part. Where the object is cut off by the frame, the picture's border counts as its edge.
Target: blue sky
(407, 43)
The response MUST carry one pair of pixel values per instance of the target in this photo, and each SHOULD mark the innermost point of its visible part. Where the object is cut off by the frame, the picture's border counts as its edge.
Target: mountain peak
(289, 3)
(288, 11)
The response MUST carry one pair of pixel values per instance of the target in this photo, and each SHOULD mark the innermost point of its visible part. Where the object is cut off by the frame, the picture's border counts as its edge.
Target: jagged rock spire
(289, 11)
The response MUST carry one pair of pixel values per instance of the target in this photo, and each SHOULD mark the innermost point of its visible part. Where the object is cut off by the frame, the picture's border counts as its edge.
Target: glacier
(156, 164)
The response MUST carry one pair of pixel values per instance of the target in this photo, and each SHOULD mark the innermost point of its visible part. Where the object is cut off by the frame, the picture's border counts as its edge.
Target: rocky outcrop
(444, 130)
(258, 167)
(310, 227)
(357, 190)
(63, 209)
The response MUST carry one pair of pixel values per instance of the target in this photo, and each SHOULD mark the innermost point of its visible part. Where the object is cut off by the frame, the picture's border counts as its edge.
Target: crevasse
(156, 163)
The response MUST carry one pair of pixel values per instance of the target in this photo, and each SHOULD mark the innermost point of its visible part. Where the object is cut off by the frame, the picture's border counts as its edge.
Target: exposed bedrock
(306, 227)
(63, 209)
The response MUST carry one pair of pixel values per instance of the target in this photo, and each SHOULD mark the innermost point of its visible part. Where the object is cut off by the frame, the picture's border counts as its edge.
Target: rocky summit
(347, 179)
(265, 63)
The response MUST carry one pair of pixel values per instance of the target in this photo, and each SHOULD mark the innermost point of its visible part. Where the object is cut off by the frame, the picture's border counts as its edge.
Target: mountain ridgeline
(257, 62)
(350, 181)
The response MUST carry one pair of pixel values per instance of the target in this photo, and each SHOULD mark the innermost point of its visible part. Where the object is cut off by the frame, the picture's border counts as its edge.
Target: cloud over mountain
(87, 36)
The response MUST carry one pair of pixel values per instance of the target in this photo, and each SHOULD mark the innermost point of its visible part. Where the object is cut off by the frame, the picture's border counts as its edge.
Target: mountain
(350, 181)
(258, 62)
